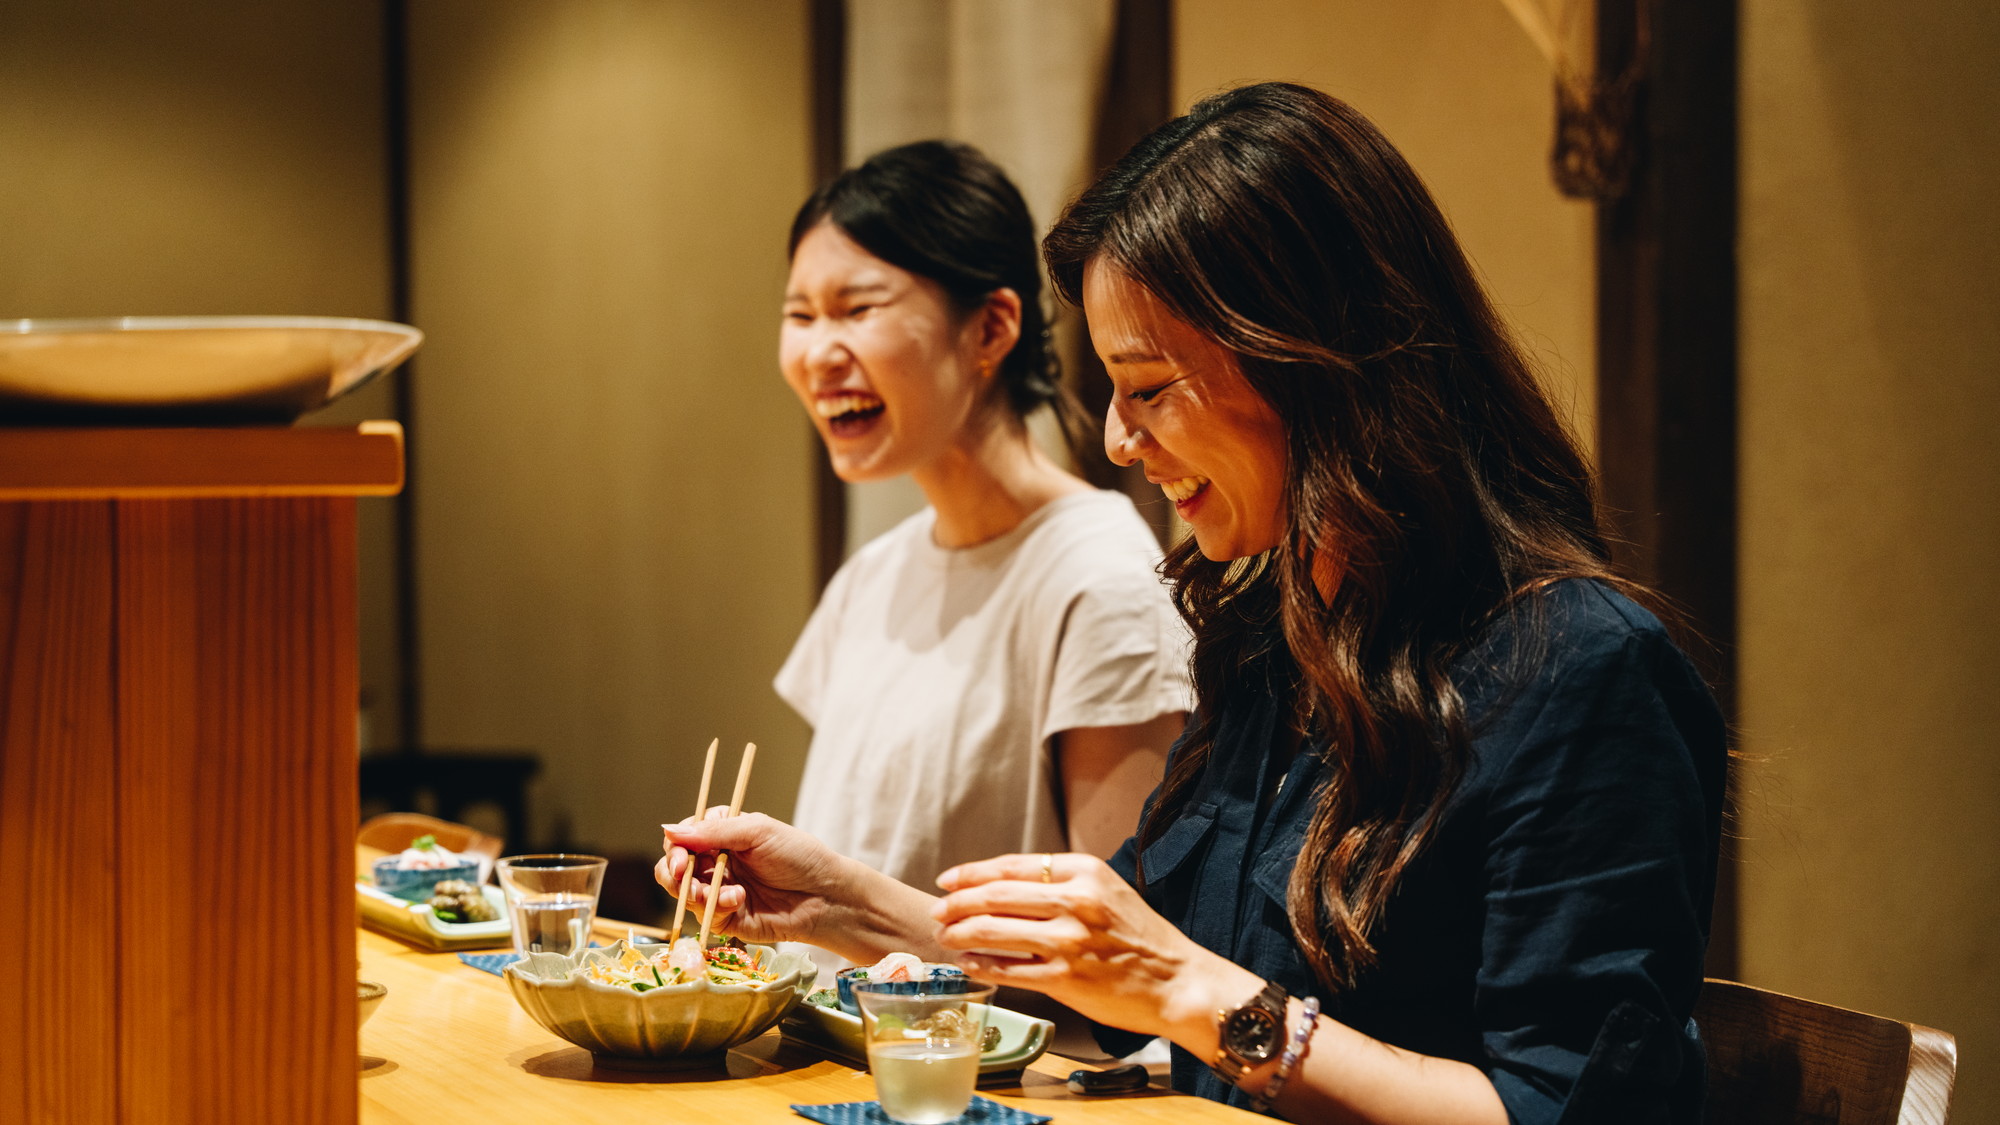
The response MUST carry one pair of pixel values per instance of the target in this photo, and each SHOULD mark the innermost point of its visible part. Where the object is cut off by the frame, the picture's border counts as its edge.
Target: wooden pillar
(829, 148)
(1666, 330)
(178, 691)
(1138, 98)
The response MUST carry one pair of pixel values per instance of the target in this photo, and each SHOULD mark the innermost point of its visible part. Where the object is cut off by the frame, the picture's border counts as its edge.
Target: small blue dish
(941, 978)
(418, 885)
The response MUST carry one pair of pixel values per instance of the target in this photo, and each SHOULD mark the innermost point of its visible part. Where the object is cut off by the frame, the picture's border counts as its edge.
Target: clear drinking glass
(923, 1045)
(552, 900)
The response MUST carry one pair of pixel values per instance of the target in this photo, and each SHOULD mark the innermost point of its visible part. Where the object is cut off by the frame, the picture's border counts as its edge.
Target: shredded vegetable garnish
(726, 964)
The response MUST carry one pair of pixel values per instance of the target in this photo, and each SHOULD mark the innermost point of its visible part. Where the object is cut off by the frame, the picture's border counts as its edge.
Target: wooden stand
(178, 688)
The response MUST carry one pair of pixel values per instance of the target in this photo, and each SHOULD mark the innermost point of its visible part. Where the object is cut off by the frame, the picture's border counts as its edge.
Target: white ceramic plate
(190, 369)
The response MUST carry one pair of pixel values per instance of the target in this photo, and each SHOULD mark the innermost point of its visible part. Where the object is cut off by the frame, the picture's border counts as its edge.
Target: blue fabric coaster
(495, 963)
(982, 1111)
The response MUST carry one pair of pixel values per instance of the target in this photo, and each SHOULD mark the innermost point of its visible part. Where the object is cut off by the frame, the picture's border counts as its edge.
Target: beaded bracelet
(1294, 1051)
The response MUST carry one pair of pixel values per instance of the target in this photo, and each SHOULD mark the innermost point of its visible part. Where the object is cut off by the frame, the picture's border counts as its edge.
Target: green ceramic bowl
(678, 1025)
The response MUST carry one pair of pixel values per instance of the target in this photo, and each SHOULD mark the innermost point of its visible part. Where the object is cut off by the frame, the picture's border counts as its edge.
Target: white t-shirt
(934, 679)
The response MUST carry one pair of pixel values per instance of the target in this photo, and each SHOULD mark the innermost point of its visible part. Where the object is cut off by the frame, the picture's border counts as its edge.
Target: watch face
(1251, 1033)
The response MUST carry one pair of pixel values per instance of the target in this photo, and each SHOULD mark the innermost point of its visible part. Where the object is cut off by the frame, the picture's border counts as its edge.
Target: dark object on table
(1127, 1079)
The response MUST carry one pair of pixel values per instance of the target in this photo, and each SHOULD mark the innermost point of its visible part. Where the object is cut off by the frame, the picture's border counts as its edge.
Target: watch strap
(1230, 1066)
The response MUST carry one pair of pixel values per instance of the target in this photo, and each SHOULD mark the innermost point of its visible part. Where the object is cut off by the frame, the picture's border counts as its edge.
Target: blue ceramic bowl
(417, 886)
(941, 978)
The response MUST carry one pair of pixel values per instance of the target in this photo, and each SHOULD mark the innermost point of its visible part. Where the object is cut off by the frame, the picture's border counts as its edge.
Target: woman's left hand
(1086, 938)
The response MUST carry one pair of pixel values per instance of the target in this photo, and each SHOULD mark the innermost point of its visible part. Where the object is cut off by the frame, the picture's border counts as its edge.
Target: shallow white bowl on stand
(190, 369)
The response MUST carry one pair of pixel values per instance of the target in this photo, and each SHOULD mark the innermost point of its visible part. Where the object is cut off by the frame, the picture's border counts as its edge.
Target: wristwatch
(1250, 1034)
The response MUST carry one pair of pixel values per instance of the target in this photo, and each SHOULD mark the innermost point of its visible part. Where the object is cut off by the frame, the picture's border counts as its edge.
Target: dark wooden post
(1138, 98)
(829, 143)
(1666, 331)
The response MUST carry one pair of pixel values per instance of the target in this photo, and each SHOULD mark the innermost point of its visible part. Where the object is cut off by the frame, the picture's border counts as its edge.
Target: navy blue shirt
(1552, 933)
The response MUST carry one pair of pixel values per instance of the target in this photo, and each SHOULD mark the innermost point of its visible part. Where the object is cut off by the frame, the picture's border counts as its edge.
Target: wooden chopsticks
(721, 859)
(700, 807)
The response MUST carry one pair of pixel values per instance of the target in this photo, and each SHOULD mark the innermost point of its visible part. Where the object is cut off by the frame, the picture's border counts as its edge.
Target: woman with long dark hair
(1440, 841)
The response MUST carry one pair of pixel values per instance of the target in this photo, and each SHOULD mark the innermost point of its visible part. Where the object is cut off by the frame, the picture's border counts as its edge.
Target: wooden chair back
(1776, 1058)
(392, 832)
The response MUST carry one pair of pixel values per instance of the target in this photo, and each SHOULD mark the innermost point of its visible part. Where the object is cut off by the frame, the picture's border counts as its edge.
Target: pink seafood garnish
(427, 859)
(686, 956)
(897, 966)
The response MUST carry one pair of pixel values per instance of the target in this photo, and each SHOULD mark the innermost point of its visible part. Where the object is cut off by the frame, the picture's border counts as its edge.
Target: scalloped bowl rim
(655, 1005)
(523, 968)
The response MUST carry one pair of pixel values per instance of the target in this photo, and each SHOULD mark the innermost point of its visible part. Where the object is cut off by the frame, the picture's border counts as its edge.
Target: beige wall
(1871, 528)
(204, 157)
(614, 519)
(1461, 91)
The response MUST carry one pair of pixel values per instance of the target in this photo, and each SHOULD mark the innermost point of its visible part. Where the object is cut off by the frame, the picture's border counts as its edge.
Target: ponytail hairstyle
(1426, 470)
(943, 211)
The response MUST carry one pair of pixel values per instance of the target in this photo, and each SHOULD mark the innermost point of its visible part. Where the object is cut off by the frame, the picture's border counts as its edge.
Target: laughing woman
(1003, 671)
(1439, 842)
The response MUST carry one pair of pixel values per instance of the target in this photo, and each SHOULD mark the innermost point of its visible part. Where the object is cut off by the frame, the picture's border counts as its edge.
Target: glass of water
(552, 900)
(923, 1044)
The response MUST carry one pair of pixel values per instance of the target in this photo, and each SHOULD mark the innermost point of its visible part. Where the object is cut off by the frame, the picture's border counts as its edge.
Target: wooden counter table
(450, 1044)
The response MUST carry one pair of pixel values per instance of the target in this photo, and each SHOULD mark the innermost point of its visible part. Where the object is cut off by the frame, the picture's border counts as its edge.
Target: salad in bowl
(658, 1005)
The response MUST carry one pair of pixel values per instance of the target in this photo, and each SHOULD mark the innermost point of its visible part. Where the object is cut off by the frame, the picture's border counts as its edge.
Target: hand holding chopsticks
(772, 882)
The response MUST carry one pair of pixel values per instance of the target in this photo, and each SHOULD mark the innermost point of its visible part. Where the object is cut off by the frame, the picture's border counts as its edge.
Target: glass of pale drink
(552, 900)
(923, 1044)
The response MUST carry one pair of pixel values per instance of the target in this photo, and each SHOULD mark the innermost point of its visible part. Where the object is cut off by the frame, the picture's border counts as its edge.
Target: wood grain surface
(449, 1043)
(58, 813)
(56, 463)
